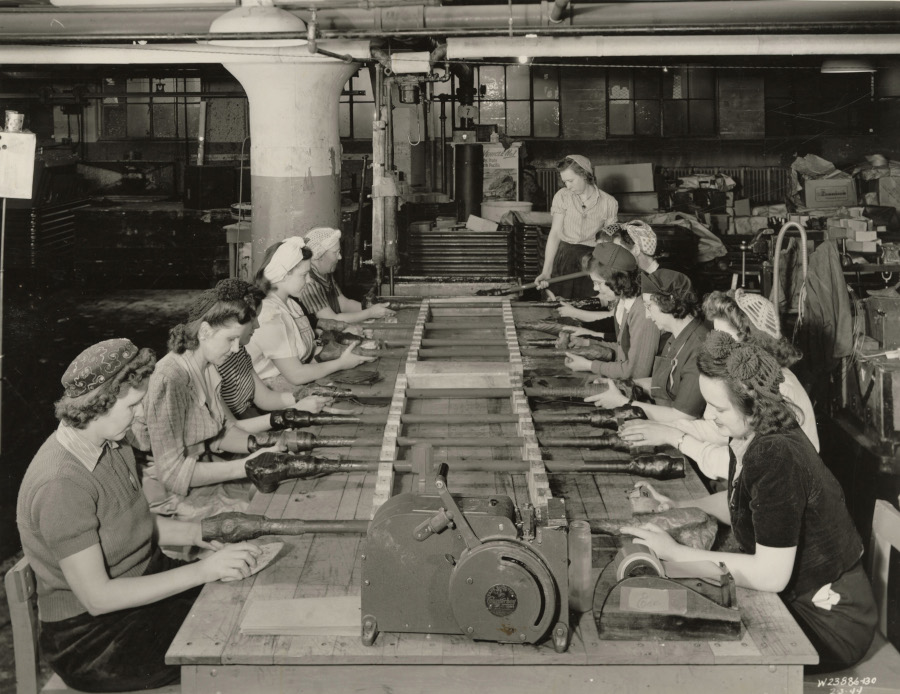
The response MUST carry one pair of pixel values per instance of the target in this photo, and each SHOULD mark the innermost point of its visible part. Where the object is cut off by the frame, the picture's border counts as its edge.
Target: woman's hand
(656, 539)
(566, 310)
(379, 311)
(608, 399)
(664, 503)
(312, 403)
(349, 359)
(578, 332)
(230, 562)
(641, 432)
(577, 362)
(541, 280)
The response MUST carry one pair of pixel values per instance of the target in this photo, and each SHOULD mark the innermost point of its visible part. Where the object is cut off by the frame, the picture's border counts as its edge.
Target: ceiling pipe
(619, 46)
(558, 11)
(698, 16)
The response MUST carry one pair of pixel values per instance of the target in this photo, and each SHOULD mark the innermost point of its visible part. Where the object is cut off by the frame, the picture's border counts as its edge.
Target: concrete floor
(43, 332)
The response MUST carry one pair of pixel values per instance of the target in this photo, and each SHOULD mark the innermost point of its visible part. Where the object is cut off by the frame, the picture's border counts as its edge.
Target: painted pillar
(295, 148)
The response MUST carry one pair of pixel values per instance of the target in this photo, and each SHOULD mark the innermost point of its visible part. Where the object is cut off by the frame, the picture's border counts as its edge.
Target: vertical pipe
(201, 132)
(378, 171)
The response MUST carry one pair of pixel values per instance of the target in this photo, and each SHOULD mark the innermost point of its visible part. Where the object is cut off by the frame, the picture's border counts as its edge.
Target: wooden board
(329, 616)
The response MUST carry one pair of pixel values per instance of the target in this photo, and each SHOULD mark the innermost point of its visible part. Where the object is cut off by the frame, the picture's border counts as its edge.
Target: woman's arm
(550, 250)
(85, 572)
(642, 346)
(355, 316)
(297, 373)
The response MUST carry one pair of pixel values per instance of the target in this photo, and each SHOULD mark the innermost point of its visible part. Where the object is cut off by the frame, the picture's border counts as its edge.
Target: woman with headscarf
(284, 344)
(750, 319)
(673, 307)
(321, 295)
(579, 210)
(616, 279)
(187, 426)
(786, 509)
(110, 601)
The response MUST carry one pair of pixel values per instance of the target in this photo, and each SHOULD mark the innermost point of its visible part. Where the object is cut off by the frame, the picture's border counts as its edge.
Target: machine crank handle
(452, 510)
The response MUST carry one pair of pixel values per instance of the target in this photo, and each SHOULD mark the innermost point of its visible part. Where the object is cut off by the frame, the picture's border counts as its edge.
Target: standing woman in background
(579, 211)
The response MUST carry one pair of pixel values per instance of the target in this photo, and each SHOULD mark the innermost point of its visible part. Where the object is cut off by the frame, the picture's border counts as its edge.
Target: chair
(21, 594)
(881, 664)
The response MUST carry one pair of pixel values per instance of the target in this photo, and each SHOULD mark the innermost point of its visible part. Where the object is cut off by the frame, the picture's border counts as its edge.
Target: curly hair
(184, 335)
(80, 411)
(577, 169)
(264, 284)
(623, 284)
(764, 407)
(722, 305)
(680, 306)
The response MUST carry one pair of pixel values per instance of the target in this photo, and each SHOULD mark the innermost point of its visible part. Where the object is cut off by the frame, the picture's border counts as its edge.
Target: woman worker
(320, 295)
(615, 275)
(673, 307)
(242, 390)
(284, 345)
(579, 211)
(786, 508)
(109, 601)
(750, 319)
(186, 424)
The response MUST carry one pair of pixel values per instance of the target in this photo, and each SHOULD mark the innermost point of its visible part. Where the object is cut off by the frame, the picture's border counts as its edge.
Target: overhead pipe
(558, 11)
(705, 16)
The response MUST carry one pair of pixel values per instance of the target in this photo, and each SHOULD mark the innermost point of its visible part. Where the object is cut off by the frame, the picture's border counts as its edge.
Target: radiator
(761, 184)
(550, 182)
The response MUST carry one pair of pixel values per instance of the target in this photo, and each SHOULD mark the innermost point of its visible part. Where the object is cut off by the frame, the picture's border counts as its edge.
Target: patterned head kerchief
(320, 239)
(96, 365)
(760, 311)
(643, 235)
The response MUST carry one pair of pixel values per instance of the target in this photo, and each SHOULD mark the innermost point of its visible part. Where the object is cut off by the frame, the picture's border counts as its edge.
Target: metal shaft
(238, 527)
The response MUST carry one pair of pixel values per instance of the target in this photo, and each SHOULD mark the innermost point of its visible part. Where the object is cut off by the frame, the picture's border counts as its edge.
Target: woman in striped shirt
(579, 211)
(284, 344)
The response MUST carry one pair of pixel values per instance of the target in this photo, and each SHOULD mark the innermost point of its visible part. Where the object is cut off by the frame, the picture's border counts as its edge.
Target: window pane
(491, 81)
(114, 85)
(646, 118)
(114, 121)
(702, 117)
(344, 120)
(518, 118)
(546, 119)
(621, 117)
(138, 118)
(163, 120)
(673, 83)
(363, 82)
(193, 118)
(518, 82)
(546, 82)
(674, 118)
(363, 115)
(702, 83)
(492, 112)
(140, 86)
(620, 84)
(442, 87)
(646, 84)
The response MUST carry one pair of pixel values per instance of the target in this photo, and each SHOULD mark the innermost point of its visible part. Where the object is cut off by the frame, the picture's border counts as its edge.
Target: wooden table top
(329, 565)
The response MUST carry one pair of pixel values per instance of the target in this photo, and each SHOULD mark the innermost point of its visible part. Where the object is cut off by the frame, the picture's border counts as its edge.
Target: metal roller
(633, 559)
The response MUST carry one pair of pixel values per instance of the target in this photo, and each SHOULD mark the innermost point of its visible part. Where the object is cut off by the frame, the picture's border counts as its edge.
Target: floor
(44, 329)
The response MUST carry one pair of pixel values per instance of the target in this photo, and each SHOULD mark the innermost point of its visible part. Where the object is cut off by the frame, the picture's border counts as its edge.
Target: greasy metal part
(580, 392)
(238, 527)
(610, 441)
(530, 285)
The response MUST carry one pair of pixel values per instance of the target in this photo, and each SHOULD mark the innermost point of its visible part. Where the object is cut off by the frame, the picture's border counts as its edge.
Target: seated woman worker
(321, 295)
(785, 507)
(750, 319)
(615, 275)
(242, 389)
(186, 424)
(284, 344)
(109, 601)
(673, 307)
(579, 210)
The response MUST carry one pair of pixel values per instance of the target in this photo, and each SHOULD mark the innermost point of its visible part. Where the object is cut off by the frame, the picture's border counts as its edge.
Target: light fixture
(845, 65)
(524, 59)
(257, 17)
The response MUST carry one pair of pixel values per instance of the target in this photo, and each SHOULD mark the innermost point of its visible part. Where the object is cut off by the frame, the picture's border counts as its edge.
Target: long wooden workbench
(217, 658)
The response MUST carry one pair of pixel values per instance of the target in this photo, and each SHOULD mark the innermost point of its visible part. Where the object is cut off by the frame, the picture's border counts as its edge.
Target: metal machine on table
(639, 597)
(476, 566)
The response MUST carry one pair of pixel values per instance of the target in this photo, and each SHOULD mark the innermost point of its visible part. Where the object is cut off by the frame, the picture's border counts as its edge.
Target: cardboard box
(835, 232)
(887, 190)
(862, 246)
(748, 226)
(865, 236)
(642, 203)
(830, 192)
(625, 178)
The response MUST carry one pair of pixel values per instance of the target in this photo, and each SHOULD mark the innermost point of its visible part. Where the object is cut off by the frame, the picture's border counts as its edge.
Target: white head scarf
(285, 259)
(320, 239)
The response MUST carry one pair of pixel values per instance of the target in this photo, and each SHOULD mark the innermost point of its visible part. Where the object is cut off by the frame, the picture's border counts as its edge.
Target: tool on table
(476, 566)
(639, 597)
(502, 291)
(233, 526)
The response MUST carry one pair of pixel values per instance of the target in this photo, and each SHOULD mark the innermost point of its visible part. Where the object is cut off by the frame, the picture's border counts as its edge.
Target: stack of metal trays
(458, 252)
(528, 258)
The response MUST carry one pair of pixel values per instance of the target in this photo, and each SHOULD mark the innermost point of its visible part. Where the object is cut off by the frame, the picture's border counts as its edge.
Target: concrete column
(295, 149)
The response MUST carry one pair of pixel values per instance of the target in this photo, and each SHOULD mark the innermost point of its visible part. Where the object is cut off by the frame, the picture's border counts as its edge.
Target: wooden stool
(881, 664)
(21, 594)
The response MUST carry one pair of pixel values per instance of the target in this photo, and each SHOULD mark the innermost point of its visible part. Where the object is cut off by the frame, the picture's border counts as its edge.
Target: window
(523, 100)
(806, 103)
(150, 108)
(356, 111)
